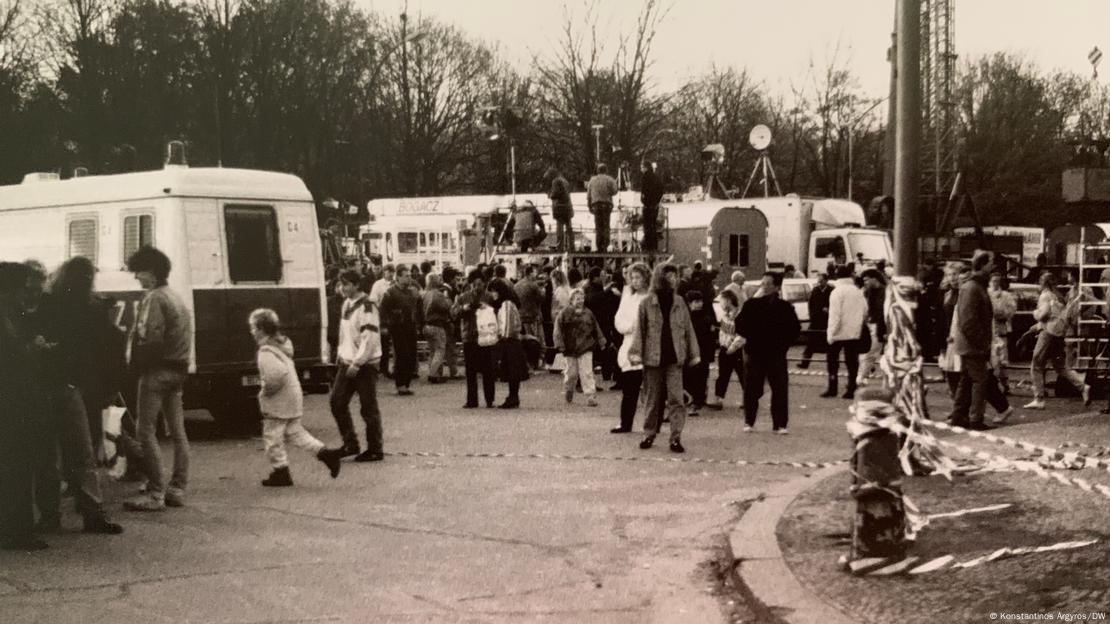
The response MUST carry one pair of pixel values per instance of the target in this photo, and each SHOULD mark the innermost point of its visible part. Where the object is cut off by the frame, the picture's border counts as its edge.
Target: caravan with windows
(238, 240)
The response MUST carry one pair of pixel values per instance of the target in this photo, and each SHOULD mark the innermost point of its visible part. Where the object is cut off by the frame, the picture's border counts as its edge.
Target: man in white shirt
(359, 353)
(377, 293)
(847, 314)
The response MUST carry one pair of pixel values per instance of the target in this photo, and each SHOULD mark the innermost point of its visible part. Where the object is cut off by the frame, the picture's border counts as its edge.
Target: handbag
(486, 321)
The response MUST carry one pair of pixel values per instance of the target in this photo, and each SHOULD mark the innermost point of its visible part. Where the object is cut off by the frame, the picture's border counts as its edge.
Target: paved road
(435, 539)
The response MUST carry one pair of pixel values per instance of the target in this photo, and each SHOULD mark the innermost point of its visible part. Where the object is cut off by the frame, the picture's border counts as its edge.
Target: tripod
(763, 163)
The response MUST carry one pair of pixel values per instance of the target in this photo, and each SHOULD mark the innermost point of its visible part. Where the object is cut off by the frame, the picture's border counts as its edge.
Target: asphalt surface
(561, 522)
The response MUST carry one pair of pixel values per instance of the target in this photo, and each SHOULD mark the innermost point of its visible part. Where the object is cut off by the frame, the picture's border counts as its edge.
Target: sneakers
(592, 402)
(648, 441)
(1086, 394)
(781, 431)
(676, 446)
(175, 497)
(749, 429)
(279, 477)
(145, 502)
(1004, 416)
(1035, 404)
(330, 458)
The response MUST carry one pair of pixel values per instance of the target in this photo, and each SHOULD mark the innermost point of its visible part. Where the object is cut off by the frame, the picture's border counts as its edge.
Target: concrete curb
(759, 562)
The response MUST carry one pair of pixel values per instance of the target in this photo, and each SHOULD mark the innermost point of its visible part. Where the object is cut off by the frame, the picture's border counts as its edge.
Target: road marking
(673, 460)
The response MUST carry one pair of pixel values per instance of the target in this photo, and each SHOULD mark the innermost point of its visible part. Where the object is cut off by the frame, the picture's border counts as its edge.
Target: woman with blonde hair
(627, 324)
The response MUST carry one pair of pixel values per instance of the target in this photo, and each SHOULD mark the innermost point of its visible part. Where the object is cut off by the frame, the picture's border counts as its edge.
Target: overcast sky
(775, 39)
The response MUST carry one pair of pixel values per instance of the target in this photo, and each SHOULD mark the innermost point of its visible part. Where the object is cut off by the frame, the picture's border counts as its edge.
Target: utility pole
(907, 185)
(597, 143)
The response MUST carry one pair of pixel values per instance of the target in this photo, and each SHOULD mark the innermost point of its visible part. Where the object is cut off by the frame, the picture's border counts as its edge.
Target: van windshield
(253, 250)
(872, 245)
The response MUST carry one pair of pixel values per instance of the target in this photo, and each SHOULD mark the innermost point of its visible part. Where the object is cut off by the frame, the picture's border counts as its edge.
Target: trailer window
(738, 249)
(138, 231)
(253, 250)
(82, 238)
(407, 242)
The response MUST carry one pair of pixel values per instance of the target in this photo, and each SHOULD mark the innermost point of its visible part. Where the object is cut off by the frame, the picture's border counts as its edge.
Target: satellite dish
(760, 137)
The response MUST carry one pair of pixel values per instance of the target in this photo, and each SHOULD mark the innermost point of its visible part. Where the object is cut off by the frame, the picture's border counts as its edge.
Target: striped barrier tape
(878, 566)
(809, 373)
(672, 460)
(1031, 467)
(1075, 457)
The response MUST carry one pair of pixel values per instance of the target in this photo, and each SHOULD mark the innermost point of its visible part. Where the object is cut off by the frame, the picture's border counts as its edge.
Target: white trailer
(238, 240)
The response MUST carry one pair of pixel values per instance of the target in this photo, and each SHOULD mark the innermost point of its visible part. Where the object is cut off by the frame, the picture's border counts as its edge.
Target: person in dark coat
(21, 414)
(818, 318)
(770, 327)
(604, 308)
(512, 362)
(401, 313)
(695, 378)
(561, 209)
(972, 333)
(83, 375)
(477, 359)
(651, 193)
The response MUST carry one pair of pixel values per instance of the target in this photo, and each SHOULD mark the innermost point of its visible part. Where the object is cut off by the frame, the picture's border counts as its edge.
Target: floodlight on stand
(760, 137)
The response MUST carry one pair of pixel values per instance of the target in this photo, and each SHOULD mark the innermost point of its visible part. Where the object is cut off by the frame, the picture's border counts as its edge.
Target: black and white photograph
(559, 311)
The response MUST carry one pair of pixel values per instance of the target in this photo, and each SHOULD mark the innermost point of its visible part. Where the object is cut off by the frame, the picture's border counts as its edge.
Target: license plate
(251, 380)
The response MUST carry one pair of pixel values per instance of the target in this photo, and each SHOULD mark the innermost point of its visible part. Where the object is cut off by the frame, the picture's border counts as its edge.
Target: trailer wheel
(236, 416)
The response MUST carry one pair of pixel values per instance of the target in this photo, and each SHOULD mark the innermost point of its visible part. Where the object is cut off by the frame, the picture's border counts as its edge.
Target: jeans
(365, 384)
(67, 430)
(651, 228)
(663, 385)
(404, 354)
(971, 394)
(727, 364)
(602, 212)
(564, 231)
(437, 349)
(160, 392)
(580, 367)
(1050, 349)
(277, 431)
(451, 351)
(769, 368)
(851, 358)
(630, 396)
(479, 361)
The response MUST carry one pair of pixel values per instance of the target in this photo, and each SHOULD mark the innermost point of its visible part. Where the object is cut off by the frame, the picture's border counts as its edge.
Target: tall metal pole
(512, 168)
(907, 185)
(850, 129)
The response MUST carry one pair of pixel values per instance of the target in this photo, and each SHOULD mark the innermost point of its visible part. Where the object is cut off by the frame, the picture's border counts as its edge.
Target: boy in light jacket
(576, 334)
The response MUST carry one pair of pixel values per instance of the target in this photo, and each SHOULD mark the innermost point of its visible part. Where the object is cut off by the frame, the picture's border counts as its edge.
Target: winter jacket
(974, 332)
(1004, 306)
(508, 321)
(651, 188)
(769, 325)
(360, 340)
(847, 311)
(819, 307)
(601, 188)
(527, 225)
(531, 300)
(727, 338)
(604, 307)
(626, 323)
(647, 343)
(577, 332)
(702, 321)
(466, 305)
(561, 207)
(280, 395)
(436, 308)
(400, 308)
(163, 333)
(1050, 314)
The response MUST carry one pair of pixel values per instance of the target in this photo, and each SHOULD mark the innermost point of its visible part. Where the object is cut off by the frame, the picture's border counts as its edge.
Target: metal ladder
(1088, 350)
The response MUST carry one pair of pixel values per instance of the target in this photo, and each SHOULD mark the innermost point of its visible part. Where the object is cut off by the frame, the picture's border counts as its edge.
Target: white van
(238, 240)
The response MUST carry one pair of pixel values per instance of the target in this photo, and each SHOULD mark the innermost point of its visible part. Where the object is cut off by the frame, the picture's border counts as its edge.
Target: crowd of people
(649, 332)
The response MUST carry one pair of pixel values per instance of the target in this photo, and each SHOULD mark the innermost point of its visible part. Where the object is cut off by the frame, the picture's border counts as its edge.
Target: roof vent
(175, 154)
(41, 176)
(80, 172)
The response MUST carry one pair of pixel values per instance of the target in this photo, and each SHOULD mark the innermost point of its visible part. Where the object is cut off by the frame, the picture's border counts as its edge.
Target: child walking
(282, 402)
(577, 333)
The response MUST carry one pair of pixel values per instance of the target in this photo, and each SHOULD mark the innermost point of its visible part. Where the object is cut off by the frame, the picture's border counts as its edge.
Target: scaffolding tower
(1088, 342)
(939, 159)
